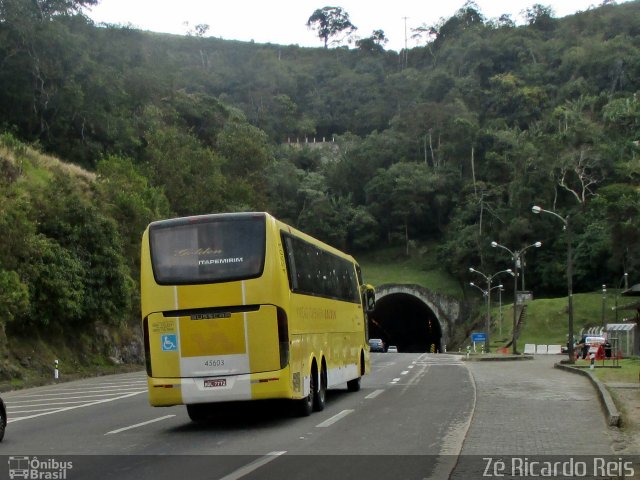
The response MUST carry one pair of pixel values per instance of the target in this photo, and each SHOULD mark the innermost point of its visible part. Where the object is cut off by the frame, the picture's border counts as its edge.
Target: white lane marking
(395, 380)
(77, 391)
(21, 408)
(250, 467)
(404, 372)
(20, 412)
(411, 366)
(417, 377)
(124, 381)
(330, 421)
(139, 424)
(374, 394)
(11, 420)
(28, 403)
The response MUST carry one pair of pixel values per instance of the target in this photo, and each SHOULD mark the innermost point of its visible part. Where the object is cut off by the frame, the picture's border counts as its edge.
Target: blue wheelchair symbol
(169, 343)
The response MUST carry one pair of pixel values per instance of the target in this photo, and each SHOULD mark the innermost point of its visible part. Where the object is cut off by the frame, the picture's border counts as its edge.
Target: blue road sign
(479, 337)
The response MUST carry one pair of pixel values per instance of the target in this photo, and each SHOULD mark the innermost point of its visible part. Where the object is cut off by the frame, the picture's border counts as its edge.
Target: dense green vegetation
(447, 145)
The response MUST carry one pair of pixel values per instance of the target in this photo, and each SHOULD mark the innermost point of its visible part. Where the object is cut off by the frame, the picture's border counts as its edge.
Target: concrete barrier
(530, 349)
(554, 350)
(541, 349)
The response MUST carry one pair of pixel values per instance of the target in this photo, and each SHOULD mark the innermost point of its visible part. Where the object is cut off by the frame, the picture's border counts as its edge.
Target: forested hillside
(450, 143)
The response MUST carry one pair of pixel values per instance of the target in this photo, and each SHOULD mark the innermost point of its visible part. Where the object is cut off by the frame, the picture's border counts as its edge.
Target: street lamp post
(488, 279)
(567, 226)
(625, 277)
(515, 255)
(500, 290)
(604, 299)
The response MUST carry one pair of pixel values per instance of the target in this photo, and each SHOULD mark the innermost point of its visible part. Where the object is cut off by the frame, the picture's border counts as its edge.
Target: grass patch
(547, 320)
(391, 265)
(628, 373)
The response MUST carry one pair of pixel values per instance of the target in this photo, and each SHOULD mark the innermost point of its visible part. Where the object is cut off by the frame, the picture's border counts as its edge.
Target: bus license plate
(215, 382)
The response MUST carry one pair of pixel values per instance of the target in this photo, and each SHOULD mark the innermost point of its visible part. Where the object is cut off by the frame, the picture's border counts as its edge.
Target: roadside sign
(478, 337)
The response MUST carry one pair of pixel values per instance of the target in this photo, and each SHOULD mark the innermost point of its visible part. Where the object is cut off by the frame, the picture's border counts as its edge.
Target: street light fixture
(484, 292)
(567, 227)
(515, 255)
(487, 293)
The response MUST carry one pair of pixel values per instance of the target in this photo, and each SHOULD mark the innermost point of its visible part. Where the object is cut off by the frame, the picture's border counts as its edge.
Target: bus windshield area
(207, 249)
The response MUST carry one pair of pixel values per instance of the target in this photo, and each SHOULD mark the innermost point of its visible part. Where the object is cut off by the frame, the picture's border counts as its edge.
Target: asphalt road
(408, 421)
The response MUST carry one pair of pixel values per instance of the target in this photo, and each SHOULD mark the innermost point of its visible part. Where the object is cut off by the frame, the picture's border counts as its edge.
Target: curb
(606, 401)
(501, 358)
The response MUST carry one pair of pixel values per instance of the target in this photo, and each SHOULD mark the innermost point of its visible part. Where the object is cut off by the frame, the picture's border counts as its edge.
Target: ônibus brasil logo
(38, 469)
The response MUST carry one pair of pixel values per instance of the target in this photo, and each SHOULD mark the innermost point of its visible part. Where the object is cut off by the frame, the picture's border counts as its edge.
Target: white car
(392, 349)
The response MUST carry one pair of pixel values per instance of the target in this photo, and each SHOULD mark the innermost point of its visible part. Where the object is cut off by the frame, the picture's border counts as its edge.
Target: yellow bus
(240, 306)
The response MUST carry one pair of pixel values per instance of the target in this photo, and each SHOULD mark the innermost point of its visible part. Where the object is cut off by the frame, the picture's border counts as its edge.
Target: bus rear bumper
(165, 392)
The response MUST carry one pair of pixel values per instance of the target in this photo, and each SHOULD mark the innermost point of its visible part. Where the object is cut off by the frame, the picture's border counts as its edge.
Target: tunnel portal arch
(412, 318)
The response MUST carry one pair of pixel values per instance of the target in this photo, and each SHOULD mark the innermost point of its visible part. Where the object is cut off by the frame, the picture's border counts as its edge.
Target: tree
(329, 22)
(579, 174)
(374, 43)
(129, 199)
(539, 16)
(189, 171)
(466, 18)
(43, 9)
(77, 257)
(199, 30)
(14, 298)
(403, 195)
(283, 181)
(55, 277)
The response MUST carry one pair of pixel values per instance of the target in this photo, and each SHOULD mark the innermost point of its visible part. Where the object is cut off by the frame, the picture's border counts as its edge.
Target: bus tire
(198, 413)
(305, 405)
(354, 385)
(3, 423)
(320, 397)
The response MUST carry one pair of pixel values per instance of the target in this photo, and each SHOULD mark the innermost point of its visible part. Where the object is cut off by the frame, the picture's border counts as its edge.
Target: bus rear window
(207, 249)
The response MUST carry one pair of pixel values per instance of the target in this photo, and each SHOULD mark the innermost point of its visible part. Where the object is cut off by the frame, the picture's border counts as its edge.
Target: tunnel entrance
(404, 320)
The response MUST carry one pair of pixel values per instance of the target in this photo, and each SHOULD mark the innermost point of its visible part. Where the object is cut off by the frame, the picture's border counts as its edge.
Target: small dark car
(376, 345)
(3, 418)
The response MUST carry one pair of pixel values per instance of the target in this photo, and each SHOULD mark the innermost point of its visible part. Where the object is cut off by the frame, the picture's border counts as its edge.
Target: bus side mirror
(369, 299)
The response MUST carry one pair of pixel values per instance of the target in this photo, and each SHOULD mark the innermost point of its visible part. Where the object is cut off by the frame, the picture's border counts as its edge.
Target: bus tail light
(283, 337)
(147, 346)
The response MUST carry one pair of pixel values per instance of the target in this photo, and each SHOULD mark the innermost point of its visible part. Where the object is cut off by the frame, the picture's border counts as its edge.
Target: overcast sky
(284, 21)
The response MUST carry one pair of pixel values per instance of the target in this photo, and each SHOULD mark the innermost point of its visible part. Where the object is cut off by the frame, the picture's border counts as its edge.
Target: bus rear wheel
(198, 413)
(354, 385)
(305, 405)
(320, 397)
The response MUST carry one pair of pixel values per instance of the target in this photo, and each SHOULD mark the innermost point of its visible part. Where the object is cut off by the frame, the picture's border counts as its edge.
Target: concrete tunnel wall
(412, 318)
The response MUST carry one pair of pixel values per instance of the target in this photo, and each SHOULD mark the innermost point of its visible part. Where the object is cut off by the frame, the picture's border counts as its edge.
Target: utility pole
(405, 56)
(604, 300)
